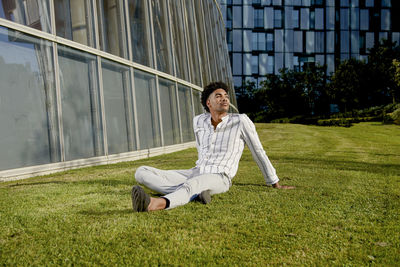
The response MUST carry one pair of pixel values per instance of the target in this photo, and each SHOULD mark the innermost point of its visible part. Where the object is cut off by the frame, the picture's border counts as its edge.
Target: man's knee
(140, 174)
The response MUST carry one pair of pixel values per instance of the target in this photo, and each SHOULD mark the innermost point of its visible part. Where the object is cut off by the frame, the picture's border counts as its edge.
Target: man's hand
(277, 185)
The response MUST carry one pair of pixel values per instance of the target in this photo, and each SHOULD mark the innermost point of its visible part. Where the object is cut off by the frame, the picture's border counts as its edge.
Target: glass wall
(28, 132)
(82, 129)
(186, 112)
(147, 110)
(118, 107)
(91, 79)
(169, 112)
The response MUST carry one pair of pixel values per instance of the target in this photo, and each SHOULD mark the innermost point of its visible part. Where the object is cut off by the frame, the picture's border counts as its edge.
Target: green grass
(345, 209)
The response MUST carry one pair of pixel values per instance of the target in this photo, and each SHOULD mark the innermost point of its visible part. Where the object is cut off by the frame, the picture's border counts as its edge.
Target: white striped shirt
(221, 149)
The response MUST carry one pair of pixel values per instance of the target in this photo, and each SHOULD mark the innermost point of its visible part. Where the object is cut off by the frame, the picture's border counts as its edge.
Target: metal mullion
(179, 111)
(150, 13)
(171, 38)
(136, 123)
(128, 30)
(96, 25)
(205, 43)
(186, 37)
(159, 111)
(102, 106)
(58, 101)
(52, 18)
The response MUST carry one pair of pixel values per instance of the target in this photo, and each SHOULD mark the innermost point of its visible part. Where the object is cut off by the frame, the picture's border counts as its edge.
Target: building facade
(86, 82)
(266, 35)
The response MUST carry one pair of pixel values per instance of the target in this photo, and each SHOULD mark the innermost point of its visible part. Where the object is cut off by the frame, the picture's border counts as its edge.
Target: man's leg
(214, 183)
(162, 181)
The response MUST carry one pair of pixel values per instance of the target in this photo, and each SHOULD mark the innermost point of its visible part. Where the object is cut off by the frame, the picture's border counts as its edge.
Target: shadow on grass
(78, 182)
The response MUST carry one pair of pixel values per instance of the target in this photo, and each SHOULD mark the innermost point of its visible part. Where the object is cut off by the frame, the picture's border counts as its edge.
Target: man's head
(215, 96)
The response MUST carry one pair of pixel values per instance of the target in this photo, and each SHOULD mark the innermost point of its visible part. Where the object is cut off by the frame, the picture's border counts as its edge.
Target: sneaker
(140, 199)
(204, 197)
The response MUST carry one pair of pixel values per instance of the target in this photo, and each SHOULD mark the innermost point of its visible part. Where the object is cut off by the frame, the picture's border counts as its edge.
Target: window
(259, 18)
(258, 43)
(295, 18)
(270, 41)
(254, 64)
(169, 112)
(278, 18)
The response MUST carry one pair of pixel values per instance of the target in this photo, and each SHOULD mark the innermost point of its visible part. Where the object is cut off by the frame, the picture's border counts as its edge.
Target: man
(220, 139)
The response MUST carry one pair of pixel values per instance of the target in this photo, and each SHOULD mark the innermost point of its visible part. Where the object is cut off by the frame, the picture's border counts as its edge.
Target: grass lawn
(345, 209)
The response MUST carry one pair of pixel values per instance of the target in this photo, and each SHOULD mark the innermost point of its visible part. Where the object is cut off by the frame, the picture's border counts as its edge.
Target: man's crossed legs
(179, 187)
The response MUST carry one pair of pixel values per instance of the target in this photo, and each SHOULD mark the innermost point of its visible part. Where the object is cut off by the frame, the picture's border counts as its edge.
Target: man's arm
(252, 140)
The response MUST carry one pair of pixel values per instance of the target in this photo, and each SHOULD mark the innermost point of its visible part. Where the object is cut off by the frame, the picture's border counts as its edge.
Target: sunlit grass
(344, 211)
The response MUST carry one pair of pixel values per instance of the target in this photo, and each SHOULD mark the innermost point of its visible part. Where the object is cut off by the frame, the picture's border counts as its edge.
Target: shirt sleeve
(252, 140)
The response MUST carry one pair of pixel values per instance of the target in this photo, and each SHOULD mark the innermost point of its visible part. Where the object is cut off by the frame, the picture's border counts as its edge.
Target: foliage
(343, 212)
(307, 94)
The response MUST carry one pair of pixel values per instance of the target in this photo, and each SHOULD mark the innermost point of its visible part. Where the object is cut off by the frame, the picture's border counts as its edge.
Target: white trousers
(181, 186)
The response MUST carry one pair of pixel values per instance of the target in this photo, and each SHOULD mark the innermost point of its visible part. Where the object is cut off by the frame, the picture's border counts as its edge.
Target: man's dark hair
(209, 89)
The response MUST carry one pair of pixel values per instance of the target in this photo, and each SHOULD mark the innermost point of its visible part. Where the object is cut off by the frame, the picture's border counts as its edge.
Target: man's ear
(208, 102)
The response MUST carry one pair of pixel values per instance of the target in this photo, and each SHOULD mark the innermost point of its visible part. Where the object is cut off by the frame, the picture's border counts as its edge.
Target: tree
(347, 84)
(381, 82)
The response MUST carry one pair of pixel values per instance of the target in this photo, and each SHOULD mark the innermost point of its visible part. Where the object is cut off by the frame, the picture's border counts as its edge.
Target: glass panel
(254, 64)
(247, 41)
(355, 42)
(278, 62)
(169, 112)
(80, 104)
(28, 117)
(248, 17)
(298, 41)
(147, 110)
(237, 40)
(319, 18)
(178, 38)
(344, 18)
(344, 42)
(237, 64)
(330, 18)
(278, 40)
(193, 47)
(278, 18)
(142, 49)
(34, 14)
(111, 24)
(295, 18)
(364, 19)
(74, 20)
(202, 42)
(186, 111)
(354, 18)
(310, 42)
(305, 18)
(198, 107)
(319, 42)
(237, 16)
(247, 64)
(269, 18)
(385, 19)
(118, 107)
(162, 37)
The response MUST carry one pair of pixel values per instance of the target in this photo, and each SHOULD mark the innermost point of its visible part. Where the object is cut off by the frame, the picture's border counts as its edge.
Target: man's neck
(216, 118)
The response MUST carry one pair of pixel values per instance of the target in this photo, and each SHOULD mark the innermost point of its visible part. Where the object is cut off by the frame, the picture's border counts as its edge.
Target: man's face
(218, 101)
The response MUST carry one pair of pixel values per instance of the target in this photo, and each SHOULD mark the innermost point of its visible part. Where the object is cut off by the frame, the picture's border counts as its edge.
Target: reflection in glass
(147, 110)
(111, 24)
(191, 31)
(140, 32)
(186, 111)
(198, 107)
(202, 42)
(74, 21)
(169, 112)
(178, 38)
(81, 122)
(34, 14)
(28, 132)
(118, 107)
(162, 37)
